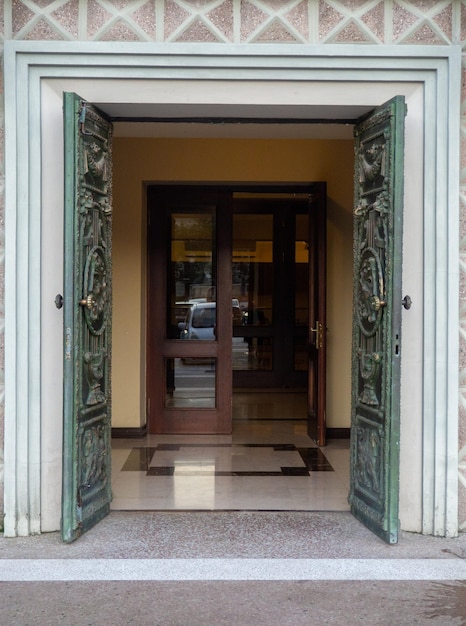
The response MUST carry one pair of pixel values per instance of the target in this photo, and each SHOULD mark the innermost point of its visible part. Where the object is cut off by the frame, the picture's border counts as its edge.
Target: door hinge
(82, 120)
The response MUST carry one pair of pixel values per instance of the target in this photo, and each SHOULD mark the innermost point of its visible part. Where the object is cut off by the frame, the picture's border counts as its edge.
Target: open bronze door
(87, 317)
(189, 375)
(317, 317)
(376, 353)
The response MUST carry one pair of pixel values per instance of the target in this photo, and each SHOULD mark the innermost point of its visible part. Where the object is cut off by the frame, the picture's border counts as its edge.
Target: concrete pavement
(241, 568)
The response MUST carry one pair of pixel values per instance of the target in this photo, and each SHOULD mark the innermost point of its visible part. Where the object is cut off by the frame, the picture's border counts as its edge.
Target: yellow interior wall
(141, 160)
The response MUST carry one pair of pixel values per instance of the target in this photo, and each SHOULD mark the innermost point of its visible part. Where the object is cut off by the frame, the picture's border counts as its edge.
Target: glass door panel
(301, 293)
(192, 288)
(252, 269)
(301, 270)
(192, 275)
(192, 383)
(270, 276)
(253, 353)
(253, 291)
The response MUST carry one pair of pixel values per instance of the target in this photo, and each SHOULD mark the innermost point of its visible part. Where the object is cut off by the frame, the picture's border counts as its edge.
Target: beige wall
(137, 161)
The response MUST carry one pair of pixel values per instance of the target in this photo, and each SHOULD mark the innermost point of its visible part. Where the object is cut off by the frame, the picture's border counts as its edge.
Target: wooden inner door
(229, 301)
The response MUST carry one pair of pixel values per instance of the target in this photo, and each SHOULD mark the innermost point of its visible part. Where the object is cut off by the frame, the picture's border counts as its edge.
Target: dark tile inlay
(295, 471)
(160, 471)
(251, 473)
(315, 460)
(139, 460)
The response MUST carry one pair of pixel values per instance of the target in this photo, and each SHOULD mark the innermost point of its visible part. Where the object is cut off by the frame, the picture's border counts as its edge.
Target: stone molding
(380, 22)
(26, 64)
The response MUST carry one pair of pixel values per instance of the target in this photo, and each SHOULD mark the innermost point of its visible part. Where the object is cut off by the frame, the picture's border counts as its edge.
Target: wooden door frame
(158, 418)
(317, 385)
(182, 420)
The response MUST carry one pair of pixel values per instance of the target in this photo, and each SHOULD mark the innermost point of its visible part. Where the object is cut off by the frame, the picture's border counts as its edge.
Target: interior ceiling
(233, 120)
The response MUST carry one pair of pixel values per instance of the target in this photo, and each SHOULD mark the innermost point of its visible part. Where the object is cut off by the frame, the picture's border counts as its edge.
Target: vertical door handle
(319, 331)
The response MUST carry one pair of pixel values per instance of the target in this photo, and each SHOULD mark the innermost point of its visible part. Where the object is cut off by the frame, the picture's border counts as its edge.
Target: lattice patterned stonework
(401, 22)
(238, 21)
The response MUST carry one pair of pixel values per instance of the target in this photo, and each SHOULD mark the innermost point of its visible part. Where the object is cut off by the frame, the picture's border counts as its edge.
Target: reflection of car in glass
(201, 319)
(199, 322)
(181, 309)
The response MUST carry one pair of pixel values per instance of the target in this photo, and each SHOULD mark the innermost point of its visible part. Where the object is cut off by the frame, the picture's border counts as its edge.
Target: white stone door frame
(311, 75)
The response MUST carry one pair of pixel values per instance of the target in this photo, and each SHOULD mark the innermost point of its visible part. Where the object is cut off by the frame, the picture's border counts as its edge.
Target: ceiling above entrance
(238, 121)
(238, 130)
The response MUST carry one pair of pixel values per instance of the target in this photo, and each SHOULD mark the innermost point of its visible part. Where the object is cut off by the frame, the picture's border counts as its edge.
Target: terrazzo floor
(268, 463)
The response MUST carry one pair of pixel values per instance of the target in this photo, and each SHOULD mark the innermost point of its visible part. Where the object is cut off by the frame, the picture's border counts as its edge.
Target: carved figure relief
(94, 368)
(371, 162)
(94, 457)
(369, 368)
(368, 457)
(95, 162)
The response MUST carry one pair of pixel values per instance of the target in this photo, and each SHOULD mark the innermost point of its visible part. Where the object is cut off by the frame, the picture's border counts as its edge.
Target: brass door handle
(88, 301)
(319, 331)
(377, 303)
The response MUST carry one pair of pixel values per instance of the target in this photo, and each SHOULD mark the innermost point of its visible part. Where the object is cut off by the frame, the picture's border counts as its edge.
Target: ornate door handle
(88, 301)
(377, 303)
(319, 331)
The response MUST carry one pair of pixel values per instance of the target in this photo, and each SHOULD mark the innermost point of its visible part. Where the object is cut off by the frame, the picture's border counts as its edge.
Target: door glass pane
(252, 267)
(192, 272)
(190, 383)
(252, 353)
(301, 270)
(301, 354)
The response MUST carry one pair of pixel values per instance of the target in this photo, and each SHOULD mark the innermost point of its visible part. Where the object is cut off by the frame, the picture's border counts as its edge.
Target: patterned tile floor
(266, 464)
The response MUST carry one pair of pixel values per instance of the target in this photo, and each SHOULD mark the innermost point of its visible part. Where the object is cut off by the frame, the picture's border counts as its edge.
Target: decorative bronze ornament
(371, 296)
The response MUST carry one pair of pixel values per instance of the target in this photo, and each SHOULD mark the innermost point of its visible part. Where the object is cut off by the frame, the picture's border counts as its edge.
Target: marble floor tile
(264, 465)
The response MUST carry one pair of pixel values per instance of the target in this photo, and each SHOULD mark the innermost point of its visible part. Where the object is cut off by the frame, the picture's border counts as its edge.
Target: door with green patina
(377, 302)
(87, 317)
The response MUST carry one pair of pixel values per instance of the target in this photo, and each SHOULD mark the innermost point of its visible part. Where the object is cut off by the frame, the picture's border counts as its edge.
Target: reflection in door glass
(192, 268)
(252, 353)
(301, 354)
(252, 267)
(190, 383)
(253, 273)
(301, 271)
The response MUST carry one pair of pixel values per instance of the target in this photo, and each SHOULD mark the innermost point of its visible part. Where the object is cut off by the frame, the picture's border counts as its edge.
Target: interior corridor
(268, 463)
